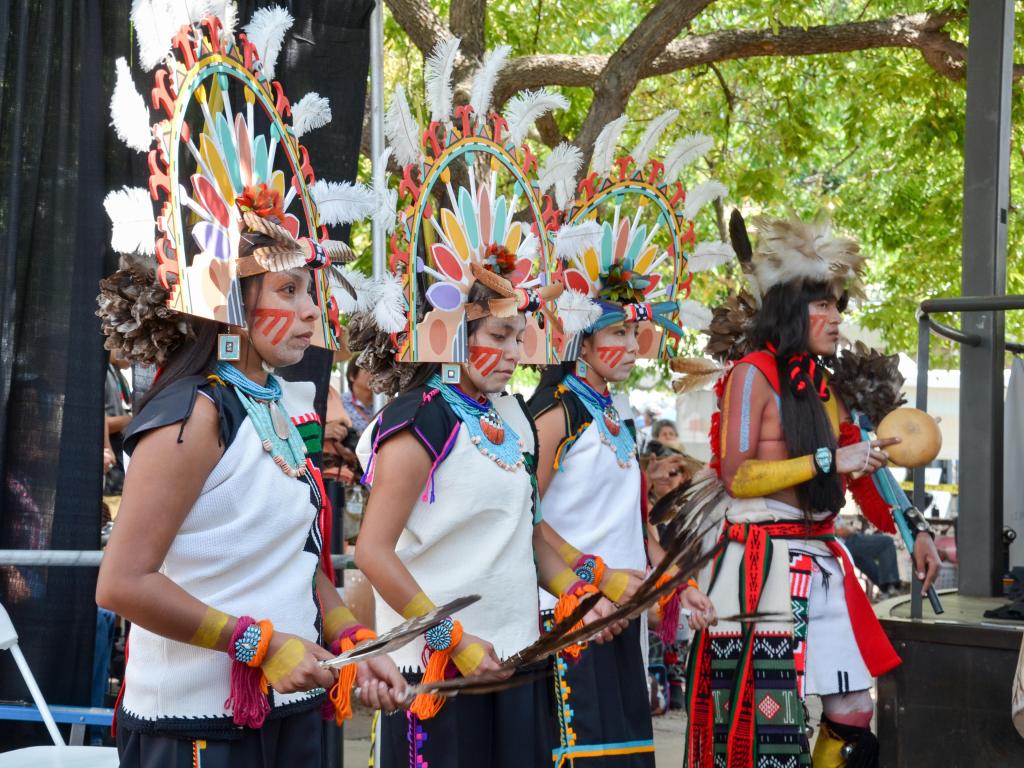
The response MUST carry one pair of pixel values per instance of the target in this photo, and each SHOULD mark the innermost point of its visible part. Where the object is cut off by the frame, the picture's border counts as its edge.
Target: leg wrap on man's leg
(845, 746)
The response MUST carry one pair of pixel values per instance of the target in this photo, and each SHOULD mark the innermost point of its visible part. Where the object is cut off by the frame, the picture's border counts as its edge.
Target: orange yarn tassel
(568, 603)
(341, 692)
(426, 705)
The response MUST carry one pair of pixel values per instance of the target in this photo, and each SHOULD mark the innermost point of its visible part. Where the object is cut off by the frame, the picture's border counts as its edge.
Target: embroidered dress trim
(612, 431)
(490, 433)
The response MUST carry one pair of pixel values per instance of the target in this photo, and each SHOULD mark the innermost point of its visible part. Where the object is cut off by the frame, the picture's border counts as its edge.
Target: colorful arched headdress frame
(225, 165)
(494, 224)
(642, 250)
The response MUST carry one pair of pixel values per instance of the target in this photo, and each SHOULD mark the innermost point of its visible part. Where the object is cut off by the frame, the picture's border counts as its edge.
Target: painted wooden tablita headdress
(635, 247)
(473, 208)
(228, 173)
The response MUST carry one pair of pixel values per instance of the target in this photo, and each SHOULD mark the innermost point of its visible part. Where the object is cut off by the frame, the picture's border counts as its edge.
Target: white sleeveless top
(594, 504)
(476, 537)
(249, 546)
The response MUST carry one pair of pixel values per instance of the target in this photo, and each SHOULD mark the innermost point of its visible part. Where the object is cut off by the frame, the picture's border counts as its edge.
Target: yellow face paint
(418, 606)
(562, 582)
(209, 631)
(762, 478)
(284, 661)
(569, 553)
(469, 658)
(614, 585)
(336, 619)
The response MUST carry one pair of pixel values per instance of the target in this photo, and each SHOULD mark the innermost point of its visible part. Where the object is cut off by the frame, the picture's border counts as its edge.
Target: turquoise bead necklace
(490, 433)
(271, 421)
(610, 428)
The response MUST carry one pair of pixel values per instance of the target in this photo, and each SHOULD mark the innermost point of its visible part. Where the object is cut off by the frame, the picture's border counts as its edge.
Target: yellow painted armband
(469, 658)
(336, 619)
(284, 660)
(208, 633)
(614, 585)
(762, 478)
(569, 554)
(562, 582)
(419, 605)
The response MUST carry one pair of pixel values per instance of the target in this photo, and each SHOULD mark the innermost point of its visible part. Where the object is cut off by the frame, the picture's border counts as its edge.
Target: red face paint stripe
(611, 356)
(484, 359)
(266, 320)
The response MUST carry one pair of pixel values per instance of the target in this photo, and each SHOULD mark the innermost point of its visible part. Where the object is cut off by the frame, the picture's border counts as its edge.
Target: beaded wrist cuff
(250, 640)
(439, 636)
(590, 568)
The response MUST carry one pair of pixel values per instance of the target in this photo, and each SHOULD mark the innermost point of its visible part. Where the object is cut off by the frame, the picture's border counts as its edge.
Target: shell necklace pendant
(612, 421)
(493, 427)
(282, 425)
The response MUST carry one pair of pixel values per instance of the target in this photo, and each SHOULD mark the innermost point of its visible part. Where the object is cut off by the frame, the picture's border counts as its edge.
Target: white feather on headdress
(439, 67)
(687, 150)
(131, 212)
(573, 240)
(389, 306)
(528, 249)
(229, 17)
(342, 202)
(694, 315)
(484, 80)
(559, 171)
(576, 311)
(128, 113)
(310, 112)
(708, 255)
(156, 22)
(790, 249)
(361, 284)
(649, 141)
(525, 108)
(701, 195)
(225, 10)
(266, 30)
(387, 198)
(402, 130)
(605, 145)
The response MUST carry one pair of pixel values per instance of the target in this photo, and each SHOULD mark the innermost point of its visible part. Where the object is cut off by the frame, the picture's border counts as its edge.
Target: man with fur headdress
(784, 450)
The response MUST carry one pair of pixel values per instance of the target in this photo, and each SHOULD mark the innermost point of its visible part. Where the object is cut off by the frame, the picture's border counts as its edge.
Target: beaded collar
(490, 433)
(263, 404)
(610, 428)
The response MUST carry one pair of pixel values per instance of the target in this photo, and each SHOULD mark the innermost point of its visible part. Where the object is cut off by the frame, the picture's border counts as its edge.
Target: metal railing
(926, 326)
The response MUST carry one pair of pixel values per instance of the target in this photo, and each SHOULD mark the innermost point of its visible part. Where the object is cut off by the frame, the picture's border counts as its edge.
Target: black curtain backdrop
(58, 159)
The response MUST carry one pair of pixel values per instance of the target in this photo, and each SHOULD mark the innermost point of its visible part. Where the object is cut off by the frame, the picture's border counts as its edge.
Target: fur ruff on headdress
(791, 250)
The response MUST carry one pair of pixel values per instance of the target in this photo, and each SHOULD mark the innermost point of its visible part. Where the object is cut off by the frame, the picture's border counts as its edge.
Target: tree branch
(421, 24)
(550, 133)
(467, 19)
(922, 31)
(623, 69)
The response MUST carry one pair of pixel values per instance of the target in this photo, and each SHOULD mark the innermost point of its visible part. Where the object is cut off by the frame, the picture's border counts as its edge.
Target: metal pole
(924, 336)
(986, 196)
(37, 695)
(377, 136)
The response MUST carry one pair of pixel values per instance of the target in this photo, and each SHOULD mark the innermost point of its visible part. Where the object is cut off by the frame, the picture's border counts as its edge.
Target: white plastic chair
(59, 755)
